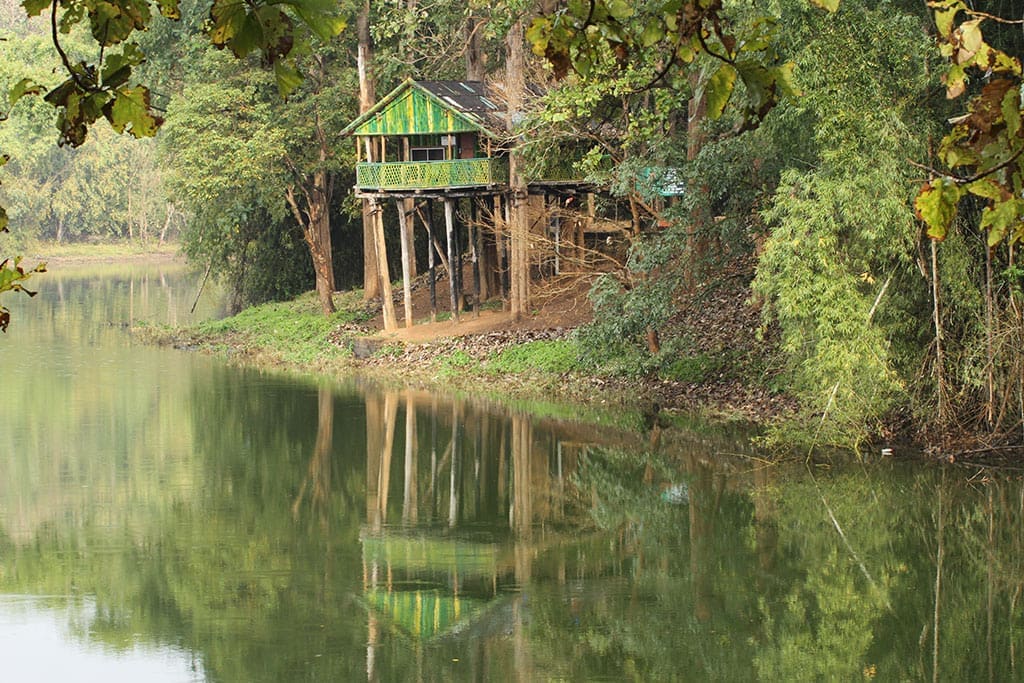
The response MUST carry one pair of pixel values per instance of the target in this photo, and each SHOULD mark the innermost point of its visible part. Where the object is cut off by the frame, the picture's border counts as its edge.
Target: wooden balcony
(432, 175)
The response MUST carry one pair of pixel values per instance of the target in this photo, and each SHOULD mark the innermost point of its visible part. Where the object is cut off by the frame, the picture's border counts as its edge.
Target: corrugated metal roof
(471, 97)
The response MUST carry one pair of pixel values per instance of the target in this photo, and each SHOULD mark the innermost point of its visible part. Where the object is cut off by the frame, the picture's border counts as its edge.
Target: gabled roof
(425, 107)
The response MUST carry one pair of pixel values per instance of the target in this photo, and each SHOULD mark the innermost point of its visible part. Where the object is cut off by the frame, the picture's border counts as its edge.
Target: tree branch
(960, 180)
(993, 17)
(707, 48)
(65, 60)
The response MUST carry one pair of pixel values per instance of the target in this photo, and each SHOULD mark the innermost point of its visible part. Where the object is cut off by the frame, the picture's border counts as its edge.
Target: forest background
(858, 166)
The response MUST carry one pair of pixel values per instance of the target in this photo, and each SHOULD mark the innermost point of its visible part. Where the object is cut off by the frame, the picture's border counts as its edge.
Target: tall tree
(367, 97)
(519, 228)
(312, 188)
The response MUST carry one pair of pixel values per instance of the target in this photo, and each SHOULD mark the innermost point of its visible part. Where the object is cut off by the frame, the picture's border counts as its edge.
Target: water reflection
(34, 647)
(249, 526)
(448, 549)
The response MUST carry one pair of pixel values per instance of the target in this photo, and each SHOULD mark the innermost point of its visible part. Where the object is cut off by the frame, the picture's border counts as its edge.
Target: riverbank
(713, 363)
(55, 254)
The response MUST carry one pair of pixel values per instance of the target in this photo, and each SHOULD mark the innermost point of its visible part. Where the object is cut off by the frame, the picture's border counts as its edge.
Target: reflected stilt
(410, 499)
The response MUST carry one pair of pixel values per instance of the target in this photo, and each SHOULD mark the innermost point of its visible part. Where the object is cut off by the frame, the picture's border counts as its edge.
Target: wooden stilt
(460, 288)
(500, 236)
(586, 227)
(405, 234)
(410, 499)
(484, 248)
(453, 263)
(432, 279)
(438, 249)
(454, 491)
(387, 305)
(474, 251)
(557, 229)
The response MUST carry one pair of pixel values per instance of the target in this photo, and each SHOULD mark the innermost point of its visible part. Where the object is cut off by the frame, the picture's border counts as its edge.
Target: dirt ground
(559, 302)
(715, 320)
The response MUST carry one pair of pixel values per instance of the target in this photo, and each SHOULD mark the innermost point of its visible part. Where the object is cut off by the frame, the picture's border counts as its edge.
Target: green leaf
(112, 22)
(538, 35)
(25, 86)
(228, 18)
(3, 219)
(830, 5)
(970, 41)
(288, 79)
(719, 90)
(1011, 111)
(169, 9)
(620, 9)
(130, 110)
(945, 13)
(321, 16)
(582, 64)
(60, 95)
(936, 204)
(117, 68)
(999, 218)
(35, 7)
(784, 80)
(652, 33)
(955, 79)
(988, 189)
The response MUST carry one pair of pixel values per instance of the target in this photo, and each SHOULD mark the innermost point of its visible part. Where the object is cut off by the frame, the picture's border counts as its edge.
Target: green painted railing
(424, 175)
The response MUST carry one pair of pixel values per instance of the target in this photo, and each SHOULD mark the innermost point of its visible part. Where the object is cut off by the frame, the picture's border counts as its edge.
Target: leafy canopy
(103, 87)
(982, 150)
(574, 36)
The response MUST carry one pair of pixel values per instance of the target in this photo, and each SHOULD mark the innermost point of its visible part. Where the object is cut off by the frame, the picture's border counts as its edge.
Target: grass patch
(389, 351)
(294, 331)
(554, 357)
(456, 363)
(102, 250)
(695, 369)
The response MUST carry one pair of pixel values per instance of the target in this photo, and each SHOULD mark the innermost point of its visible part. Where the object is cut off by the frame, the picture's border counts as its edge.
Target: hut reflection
(448, 546)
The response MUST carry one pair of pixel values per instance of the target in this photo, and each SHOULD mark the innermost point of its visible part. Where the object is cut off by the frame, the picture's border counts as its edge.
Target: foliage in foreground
(12, 278)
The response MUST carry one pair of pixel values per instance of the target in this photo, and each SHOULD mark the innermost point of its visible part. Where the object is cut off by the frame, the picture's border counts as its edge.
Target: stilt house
(428, 141)
(430, 136)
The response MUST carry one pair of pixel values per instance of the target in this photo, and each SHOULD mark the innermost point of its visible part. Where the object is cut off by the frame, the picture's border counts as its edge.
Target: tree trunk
(315, 221)
(432, 280)
(695, 135)
(168, 217)
(519, 261)
(131, 231)
(990, 359)
(367, 96)
(940, 375)
(474, 57)
(314, 213)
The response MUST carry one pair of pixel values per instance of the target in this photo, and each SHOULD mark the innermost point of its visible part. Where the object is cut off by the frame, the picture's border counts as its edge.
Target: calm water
(165, 517)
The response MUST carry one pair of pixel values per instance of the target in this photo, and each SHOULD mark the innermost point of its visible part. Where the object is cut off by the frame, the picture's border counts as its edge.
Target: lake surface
(167, 517)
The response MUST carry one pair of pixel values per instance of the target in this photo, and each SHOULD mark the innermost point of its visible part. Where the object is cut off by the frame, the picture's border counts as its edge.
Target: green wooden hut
(431, 136)
(446, 141)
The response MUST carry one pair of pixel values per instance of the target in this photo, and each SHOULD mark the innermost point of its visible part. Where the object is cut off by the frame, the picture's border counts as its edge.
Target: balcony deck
(431, 175)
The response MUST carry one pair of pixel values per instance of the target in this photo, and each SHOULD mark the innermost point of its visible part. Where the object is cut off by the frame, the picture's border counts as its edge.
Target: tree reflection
(400, 536)
(318, 476)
